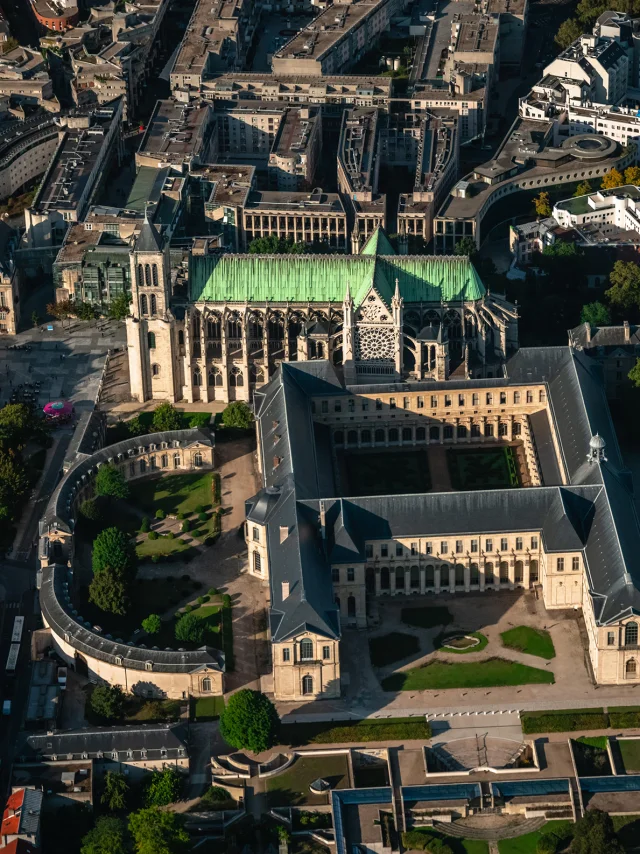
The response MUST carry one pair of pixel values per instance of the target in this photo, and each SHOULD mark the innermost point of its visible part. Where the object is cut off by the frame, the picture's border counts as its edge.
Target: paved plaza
(68, 361)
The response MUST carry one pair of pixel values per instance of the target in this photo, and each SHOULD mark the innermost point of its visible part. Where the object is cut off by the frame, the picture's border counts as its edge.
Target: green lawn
(162, 546)
(532, 641)
(492, 673)
(599, 741)
(527, 843)
(387, 729)
(396, 472)
(630, 752)
(627, 828)
(461, 650)
(482, 468)
(392, 647)
(426, 618)
(174, 493)
(207, 708)
(457, 845)
(292, 786)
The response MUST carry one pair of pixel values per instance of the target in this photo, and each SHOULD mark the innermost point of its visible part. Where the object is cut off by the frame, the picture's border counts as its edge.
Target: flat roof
(232, 181)
(318, 37)
(357, 144)
(477, 36)
(281, 202)
(294, 133)
(513, 7)
(175, 130)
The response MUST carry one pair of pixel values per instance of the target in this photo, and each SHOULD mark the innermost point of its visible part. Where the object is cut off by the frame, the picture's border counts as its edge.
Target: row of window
(630, 635)
(489, 573)
(460, 431)
(575, 564)
(490, 398)
(305, 651)
(457, 547)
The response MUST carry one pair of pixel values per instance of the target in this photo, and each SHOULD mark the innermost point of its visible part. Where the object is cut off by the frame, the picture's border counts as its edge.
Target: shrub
(90, 510)
(204, 598)
(202, 517)
(226, 601)
(249, 721)
(153, 535)
(159, 513)
(107, 701)
(163, 787)
(145, 527)
(422, 841)
(201, 600)
(186, 526)
(547, 844)
(213, 591)
(155, 558)
(199, 508)
(152, 624)
(570, 721)
(189, 628)
(171, 535)
(624, 718)
(187, 608)
(180, 516)
(215, 795)
(185, 577)
(238, 415)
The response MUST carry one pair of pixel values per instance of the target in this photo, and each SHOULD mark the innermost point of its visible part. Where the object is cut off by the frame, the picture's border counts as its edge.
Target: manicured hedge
(387, 729)
(624, 717)
(565, 721)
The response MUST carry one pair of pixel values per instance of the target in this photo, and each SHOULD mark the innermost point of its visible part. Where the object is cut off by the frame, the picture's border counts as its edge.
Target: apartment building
(513, 19)
(180, 135)
(9, 281)
(247, 131)
(26, 148)
(602, 64)
(316, 217)
(296, 150)
(24, 77)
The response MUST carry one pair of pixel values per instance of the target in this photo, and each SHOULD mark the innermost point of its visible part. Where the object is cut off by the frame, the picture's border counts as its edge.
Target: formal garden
(483, 468)
(435, 654)
(385, 472)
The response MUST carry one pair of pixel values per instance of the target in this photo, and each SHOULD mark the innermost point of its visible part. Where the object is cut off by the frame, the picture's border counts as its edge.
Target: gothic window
(236, 379)
(147, 275)
(307, 684)
(144, 309)
(197, 378)
(631, 634)
(213, 327)
(151, 340)
(234, 327)
(154, 305)
(213, 377)
(155, 370)
(139, 275)
(375, 344)
(154, 273)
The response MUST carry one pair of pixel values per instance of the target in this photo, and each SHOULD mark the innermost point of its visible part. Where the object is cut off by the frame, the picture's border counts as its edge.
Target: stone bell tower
(152, 356)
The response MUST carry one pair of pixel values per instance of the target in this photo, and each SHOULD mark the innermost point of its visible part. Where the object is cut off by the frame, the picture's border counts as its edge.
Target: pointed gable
(378, 244)
(149, 239)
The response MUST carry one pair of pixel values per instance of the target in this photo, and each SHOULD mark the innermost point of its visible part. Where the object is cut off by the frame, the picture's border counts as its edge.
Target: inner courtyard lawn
(392, 647)
(528, 842)
(292, 786)
(630, 752)
(491, 673)
(427, 617)
(532, 641)
(483, 468)
(175, 493)
(393, 472)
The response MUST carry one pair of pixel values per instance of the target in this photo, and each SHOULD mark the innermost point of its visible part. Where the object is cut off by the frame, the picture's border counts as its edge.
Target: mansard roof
(584, 505)
(323, 278)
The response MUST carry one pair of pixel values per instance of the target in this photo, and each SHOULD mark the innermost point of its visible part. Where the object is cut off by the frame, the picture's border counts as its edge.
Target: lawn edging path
(490, 673)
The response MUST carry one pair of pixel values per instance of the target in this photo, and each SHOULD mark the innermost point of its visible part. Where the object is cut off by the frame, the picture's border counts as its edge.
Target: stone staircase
(490, 833)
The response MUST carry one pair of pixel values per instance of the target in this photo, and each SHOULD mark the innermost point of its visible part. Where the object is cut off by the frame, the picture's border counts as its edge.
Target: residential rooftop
(319, 36)
(283, 202)
(176, 131)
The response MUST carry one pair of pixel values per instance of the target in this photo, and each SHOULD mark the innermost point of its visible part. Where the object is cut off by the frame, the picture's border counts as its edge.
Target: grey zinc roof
(105, 740)
(149, 239)
(30, 812)
(584, 505)
(610, 337)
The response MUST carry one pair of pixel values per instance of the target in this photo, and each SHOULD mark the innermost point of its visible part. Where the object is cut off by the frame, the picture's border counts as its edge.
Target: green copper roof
(323, 278)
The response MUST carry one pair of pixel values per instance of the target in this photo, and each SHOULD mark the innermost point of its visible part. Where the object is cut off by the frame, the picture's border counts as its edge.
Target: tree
(14, 483)
(135, 426)
(90, 510)
(237, 414)
(625, 285)
(163, 787)
(119, 306)
(612, 179)
(115, 792)
(568, 32)
(594, 834)
(595, 313)
(166, 417)
(110, 482)
(152, 624)
(112, 549)
(465, 246)
(189, 628)
(632, 175)
(634, 374)
(18, 424)
(107, 837)
(60, 310)
(542, 204)
(274, 245)
(35, 318)
(109, 590)
(250, 721)
(155, 831)
(583, 189)
(85, 311)
(107, 701)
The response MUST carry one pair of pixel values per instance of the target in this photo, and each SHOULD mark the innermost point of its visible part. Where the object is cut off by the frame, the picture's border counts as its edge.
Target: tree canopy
(166, 417)
(112, 549)
(632, 175)
(634, 374)
(595, 313)
(594, 834)
(568, 32)
(625, 285)
(107, 701)
(583, 189)
(152, 624)
(109, 591)
(155, 831)
(14, 483)
(119, 306)
(612, 179)
(19, 424)
(189, 628)
(109, 836)
(465, 246)
(250, 721)
(110, 482)
(116, 789)
(237, 414)
(274, 245)
(542, 204)
(163, 787)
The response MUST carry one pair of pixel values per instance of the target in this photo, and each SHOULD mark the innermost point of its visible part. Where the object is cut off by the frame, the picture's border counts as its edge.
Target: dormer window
(276, 462)
(119, 660)
(148, 665)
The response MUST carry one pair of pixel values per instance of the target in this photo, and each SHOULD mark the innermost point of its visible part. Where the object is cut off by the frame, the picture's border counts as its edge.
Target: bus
(12, 659)
(18, 626)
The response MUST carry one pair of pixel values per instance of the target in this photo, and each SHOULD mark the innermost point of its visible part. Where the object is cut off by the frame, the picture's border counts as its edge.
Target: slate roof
(609, 337)
(583, 506)
(324, 278)
(97, 742)
(148, 240)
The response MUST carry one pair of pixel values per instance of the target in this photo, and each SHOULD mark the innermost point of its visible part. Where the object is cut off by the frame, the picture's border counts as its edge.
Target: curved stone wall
(171, 673)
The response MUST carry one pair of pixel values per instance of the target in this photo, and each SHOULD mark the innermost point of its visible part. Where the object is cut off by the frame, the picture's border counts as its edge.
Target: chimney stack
(285, 590)
(323, 520)
(627, 331)
(588, 331)
(284, 533)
